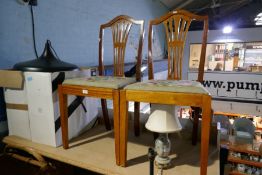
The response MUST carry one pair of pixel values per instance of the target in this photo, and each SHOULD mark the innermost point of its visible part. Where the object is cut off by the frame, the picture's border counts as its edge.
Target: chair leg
(63, 116)
(137, 118)
(105, 114)
(195, 115)
(116, 114)
(123, 128)
(205, 132)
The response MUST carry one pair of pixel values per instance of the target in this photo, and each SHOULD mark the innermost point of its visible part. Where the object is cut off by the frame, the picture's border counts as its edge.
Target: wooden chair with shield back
(172, 91)
(105, 87)
(176, 27)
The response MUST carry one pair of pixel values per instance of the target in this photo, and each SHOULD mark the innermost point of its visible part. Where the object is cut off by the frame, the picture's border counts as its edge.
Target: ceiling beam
(232, 8)
(183, 4)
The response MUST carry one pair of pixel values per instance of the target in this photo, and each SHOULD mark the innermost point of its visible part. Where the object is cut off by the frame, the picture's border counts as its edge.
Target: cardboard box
(11, 79)
(33, 111)
(17, 112)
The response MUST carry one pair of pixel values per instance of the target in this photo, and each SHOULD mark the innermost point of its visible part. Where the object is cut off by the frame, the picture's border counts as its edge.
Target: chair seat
(181, 86)
(101, 81)
(244, 135)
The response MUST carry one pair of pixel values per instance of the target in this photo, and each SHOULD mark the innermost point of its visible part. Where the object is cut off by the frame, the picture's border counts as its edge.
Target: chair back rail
(176, 24)
(120, 27)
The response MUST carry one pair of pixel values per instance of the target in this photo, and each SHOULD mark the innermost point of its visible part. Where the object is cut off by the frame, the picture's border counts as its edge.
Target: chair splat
(176, 29)
(120, 31)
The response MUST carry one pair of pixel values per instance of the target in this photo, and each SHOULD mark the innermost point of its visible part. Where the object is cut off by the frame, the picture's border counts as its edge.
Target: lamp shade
(47, 62)
(163, 119)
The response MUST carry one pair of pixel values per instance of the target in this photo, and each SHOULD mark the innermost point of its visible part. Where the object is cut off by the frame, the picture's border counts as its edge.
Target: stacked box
(33, 111)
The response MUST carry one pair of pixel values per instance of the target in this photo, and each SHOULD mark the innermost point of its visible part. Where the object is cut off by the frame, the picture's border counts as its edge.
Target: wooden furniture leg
(206, 119)
(123, 128)
(195, 115)
(63, 116)
(105, 114)
(116, 124)
(137, 118)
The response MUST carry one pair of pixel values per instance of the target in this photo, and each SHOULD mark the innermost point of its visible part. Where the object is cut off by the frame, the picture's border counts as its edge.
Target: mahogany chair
(173, 90)
(105, 87)
(175, 41)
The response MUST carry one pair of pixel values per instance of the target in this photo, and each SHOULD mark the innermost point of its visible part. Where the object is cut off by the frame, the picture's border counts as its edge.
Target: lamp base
(162, 162)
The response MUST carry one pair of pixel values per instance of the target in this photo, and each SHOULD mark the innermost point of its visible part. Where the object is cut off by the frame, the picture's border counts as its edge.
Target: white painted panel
(40, 107)
(223, 92)
(18, 123)
(221, 106)
(259, 95)
(259, 109)
(43, 107)
(245, 108)
(15, 96)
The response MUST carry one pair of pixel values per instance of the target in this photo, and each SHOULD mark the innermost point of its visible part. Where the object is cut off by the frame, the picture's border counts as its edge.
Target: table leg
(206, 119)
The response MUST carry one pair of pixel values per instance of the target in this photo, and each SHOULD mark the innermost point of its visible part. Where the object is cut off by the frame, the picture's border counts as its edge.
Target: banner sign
(232, 85)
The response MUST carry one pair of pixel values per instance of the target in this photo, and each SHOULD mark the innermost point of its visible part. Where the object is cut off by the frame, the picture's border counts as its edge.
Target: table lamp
(163, 120)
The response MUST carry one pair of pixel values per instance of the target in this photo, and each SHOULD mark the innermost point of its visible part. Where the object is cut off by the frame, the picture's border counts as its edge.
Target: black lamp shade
(47, 62)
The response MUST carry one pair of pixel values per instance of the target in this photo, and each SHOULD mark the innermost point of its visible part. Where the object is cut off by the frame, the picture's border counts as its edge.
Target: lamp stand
(162, 147)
